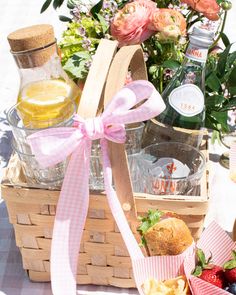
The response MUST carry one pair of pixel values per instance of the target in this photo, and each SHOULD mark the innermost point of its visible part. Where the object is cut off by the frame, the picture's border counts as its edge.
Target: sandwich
(164, 233)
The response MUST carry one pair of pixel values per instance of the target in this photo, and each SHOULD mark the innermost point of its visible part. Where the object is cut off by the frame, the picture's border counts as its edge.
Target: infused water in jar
(46, 92)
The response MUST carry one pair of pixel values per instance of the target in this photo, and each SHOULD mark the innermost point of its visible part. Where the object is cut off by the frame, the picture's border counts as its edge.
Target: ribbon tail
(116, 209)
(69, 223)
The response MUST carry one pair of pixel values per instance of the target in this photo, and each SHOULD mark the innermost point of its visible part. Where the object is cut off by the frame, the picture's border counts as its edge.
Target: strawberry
(208, 272)
(214, 276)
(230, 269)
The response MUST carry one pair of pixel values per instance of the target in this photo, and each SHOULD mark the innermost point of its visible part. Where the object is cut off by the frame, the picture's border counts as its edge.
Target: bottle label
(170, 177)
(196, 53)
(187, 100)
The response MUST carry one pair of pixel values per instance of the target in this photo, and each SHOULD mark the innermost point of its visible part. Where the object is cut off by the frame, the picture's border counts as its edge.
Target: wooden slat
(93, 248)
(23, 219)
(93, 88)
(29, 196)
(29, 241)
(100, 225)
(127, 58)
(121, 283)
(121, 250)
(83, 279)
(42, 220)
(184, 207)
(94, 271)
(36, 265)
(118, 261)
(188, 205)
(99, 259)
(31, 230)
(45, 244)
(193, 221)
(116, 238)
(15, 208)
(39, 276)
(34, 254)
(121, 272)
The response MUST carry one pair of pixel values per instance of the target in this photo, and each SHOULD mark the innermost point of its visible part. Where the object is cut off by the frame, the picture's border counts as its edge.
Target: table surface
(13, 279)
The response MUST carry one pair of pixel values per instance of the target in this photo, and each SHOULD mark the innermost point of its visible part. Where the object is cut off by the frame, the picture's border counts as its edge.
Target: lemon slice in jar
(45, 103)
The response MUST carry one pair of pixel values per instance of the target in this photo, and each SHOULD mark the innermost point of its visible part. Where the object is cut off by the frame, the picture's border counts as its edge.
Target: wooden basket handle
(127, 58)
(92, 95)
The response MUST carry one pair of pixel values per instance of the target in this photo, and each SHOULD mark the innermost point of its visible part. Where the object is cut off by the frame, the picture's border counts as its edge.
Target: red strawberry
(214, 276)
(230, 269)
(210, 273)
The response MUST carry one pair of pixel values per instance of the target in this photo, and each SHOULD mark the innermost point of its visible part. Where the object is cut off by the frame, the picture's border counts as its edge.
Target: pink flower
(209, 8)
(130, 24)
(170, 32)
(170, 22)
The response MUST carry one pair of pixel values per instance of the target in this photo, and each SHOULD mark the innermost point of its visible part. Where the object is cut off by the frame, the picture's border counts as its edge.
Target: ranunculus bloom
(168, 22)
(169, 33)
(209, 8)
(130, 24)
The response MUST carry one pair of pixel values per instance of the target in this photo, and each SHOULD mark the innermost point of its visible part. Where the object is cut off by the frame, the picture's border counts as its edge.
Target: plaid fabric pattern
(13, 278)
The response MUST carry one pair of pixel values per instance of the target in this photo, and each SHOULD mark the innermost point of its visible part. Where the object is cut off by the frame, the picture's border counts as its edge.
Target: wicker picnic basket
(104, 259)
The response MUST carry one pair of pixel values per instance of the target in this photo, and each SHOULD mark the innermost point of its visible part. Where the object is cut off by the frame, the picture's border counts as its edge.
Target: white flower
(86, 5)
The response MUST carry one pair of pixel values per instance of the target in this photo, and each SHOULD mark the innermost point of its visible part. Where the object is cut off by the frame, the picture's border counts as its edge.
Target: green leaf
(231, 58)
(144, 242)
(221, 117)
(225, 39)
(229, 104)
(223, 61)
(232, 78)
(197, 271)
(71, 3)
(230, 264)
(213, 82)
(143, 228)
(214, 101)
(201, 257)
(171, 64)
(64, 18)
(96, 8)
(57, 3)
(45, 5)
(154, 216)
(158, 46)
(76, 65)
(148, 221)
(103, 23)
(211, 122)
(234, 254)
(232, 90)
(215, 136)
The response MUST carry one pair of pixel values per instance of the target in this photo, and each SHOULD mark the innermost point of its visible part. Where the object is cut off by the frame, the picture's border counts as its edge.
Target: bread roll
(169, 236)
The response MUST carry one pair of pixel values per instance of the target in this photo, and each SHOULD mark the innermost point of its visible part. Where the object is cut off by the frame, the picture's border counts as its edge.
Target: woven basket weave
(104, 259)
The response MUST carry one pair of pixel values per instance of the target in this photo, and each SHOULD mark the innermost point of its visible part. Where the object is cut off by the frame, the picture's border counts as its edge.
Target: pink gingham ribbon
(54, 145)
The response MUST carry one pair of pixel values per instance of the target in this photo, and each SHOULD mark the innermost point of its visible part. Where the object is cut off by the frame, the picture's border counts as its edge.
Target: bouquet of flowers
(161, 27)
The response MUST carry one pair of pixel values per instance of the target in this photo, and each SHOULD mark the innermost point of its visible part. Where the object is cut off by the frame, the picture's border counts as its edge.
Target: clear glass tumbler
(133, 147)
(171, 168)
(49, 177)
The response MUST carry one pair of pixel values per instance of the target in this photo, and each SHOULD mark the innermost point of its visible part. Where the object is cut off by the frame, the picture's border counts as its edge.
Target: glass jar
(45, 89)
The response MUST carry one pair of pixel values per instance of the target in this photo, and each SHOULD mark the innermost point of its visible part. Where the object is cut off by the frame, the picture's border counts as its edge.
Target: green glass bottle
(184, 95)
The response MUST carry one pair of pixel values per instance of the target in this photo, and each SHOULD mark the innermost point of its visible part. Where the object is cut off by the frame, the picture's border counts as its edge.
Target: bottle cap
(202, 36)
(32, 46)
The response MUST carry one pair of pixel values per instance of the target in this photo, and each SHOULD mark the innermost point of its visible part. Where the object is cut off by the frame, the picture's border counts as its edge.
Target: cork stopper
(32, 46)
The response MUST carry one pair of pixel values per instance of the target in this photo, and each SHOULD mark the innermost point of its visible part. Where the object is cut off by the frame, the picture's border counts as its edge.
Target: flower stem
(221, 31)
(161, 79)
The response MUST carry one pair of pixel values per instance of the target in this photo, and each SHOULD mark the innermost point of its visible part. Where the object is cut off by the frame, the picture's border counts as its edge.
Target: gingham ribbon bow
(54, 145)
